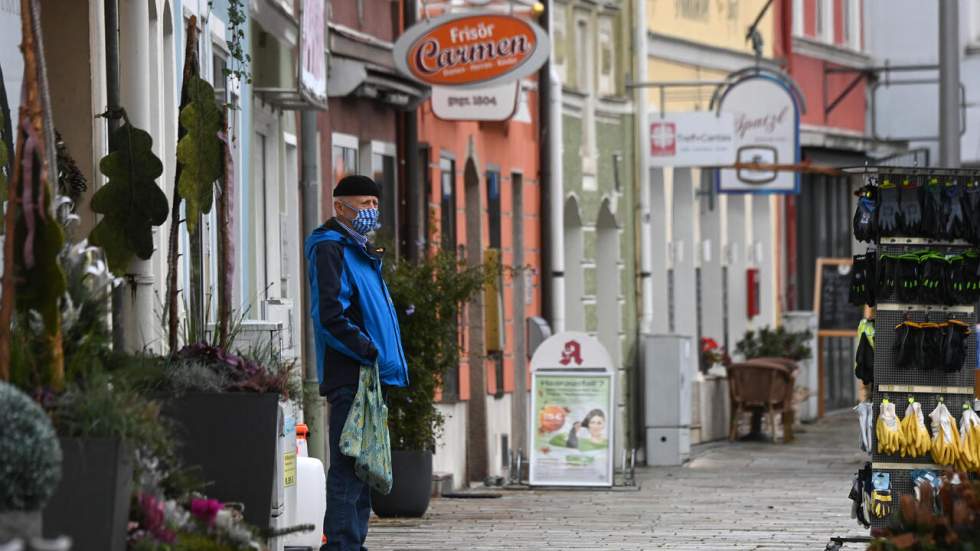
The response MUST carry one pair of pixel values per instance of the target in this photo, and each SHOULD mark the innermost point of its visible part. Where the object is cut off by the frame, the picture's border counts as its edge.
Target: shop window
(344, 156)
(447, 203)
(607, 57)
(384, 173)
(493, 207)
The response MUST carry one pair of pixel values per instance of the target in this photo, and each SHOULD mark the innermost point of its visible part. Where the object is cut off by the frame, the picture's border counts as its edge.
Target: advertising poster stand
(573, 412)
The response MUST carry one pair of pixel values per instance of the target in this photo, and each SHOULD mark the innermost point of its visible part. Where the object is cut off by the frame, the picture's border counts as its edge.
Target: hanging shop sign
(494, 103)
(572, 412)
(767, 131)
(312, 54)
(471, 49)
(703, 138)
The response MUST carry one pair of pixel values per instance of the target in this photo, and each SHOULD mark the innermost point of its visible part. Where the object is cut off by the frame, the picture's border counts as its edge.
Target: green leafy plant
(31, 465)
(775, 343)
(237, 19)
(920, 527)
(199, 151)
(428, 296)
(131, 203)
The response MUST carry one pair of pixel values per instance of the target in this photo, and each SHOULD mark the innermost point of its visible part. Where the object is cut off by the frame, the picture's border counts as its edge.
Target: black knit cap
(356, 184)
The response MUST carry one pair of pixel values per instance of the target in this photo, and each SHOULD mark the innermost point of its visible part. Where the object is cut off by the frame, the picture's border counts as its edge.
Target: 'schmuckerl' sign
(472, 49)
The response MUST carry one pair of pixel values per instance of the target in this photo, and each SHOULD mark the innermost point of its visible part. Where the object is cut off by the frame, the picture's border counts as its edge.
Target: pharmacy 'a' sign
(573, 412)
(473, 49)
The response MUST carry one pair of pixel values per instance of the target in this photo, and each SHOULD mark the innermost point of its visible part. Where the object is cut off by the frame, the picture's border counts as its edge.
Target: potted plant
(778, 343)
(712, 355)
(226, 411)
(31, 466)
(427, 295)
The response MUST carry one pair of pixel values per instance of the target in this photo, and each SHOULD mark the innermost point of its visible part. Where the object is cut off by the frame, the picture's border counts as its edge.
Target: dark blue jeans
(348, 497)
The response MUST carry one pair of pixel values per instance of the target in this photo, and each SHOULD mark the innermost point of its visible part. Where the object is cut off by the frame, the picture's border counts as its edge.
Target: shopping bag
(365, 435)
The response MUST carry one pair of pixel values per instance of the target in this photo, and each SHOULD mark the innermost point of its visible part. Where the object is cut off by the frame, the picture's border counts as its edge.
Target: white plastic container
(311, 502)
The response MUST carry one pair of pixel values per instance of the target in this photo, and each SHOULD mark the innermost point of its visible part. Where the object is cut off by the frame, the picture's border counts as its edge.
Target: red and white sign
(312, 55)
(494, 103)
(694, 139)
(663, 139)
(471, 49)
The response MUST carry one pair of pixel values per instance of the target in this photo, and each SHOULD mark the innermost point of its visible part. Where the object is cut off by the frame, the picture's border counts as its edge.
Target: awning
(361, 65)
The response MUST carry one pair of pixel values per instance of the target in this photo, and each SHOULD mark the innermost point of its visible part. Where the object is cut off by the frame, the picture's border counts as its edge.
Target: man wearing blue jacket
(356, 325)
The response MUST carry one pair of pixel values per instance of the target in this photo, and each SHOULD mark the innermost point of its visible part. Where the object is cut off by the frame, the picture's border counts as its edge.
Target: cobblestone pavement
(749, 496)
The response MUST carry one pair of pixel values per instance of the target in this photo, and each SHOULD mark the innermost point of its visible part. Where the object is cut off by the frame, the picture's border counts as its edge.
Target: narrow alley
(744, 496)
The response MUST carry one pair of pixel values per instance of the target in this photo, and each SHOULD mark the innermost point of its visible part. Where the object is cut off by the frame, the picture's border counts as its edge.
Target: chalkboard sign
(837, 316)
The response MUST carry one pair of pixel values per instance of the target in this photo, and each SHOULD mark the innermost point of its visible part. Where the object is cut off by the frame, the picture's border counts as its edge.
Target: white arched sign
(572, 412)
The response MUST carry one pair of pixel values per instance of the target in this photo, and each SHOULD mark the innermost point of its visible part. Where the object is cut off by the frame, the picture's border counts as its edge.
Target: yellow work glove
(915, 436)
(945, 437)
(887, 431)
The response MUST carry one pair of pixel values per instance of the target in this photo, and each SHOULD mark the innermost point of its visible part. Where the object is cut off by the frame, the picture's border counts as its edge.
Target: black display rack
(928, 387)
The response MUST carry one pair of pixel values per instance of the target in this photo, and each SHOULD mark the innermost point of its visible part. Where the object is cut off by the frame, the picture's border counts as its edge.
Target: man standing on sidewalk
(356, 326)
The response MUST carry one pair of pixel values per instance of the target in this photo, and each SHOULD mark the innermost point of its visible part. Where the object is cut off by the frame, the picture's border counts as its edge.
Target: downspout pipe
(413, 190)
(643, 170)
(309, 193)
(556, 205)
(112, 60)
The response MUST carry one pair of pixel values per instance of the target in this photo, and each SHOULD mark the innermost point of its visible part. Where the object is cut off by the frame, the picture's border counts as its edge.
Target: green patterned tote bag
(365, 435)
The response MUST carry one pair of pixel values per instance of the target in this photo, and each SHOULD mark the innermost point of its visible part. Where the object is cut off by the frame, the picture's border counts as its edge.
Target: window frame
(606, 38)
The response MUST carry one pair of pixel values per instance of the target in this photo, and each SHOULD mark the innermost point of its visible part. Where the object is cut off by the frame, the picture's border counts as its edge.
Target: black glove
(907, 278)
(930, 349)
(865, 223)
(970, 202)
(888, 210)
(970, 273)
(864, 361)
(886, 276)
(911, 211)
(955, 284)
(931, 200)
(906, 346)
(861, 290)
(955, 221)
(932, 276)
(954, 334)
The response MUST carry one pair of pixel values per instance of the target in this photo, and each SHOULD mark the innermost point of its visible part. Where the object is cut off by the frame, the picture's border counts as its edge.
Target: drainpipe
(556, 205)
(112, 59)
(309, 193)
(414, 193)
(643, 169)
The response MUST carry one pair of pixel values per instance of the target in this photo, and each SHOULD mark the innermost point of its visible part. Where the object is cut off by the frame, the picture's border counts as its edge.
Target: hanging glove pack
(862, 289)
(969, 440)
(865, 216)
(864, 360)
(940, 208)
(945, 437)
(887, 432)
(915, 436)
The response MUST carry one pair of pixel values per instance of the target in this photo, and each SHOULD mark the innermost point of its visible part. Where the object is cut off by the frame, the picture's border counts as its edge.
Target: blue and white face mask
(366, 220)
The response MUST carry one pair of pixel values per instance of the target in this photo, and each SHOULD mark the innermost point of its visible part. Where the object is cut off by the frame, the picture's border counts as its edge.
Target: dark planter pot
(412, 488)
(233, 439)
(91, 504)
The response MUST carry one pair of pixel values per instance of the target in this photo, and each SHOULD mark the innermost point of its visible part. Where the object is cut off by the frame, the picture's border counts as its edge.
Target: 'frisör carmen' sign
(472, 49)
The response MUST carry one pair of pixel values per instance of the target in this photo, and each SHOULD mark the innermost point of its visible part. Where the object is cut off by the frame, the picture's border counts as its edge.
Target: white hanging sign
(767, 131)
(692, 139)
(493, 103)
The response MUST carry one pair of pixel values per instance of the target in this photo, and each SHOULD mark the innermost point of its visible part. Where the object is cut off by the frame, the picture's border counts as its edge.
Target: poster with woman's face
(572, 430)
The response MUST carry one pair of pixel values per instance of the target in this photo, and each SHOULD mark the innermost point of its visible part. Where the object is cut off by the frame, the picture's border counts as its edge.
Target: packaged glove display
(928, 346)
(924, 277)
(860, 496)
(941, 208)
(969, 440)
(923, 477)
(945, 437)
(865, 413)
(915, 436)
(865, 216)
(887, 432)
(881, 495)
(863, 280)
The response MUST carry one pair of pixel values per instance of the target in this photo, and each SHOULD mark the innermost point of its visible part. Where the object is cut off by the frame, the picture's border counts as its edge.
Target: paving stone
(741, 496)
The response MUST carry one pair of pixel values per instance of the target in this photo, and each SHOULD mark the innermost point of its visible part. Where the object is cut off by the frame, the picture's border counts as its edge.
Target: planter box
(91, 504)
(412, 475)
(233, 439)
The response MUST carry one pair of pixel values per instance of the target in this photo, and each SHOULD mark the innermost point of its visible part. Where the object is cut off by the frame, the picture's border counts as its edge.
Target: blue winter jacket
(353, 315)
